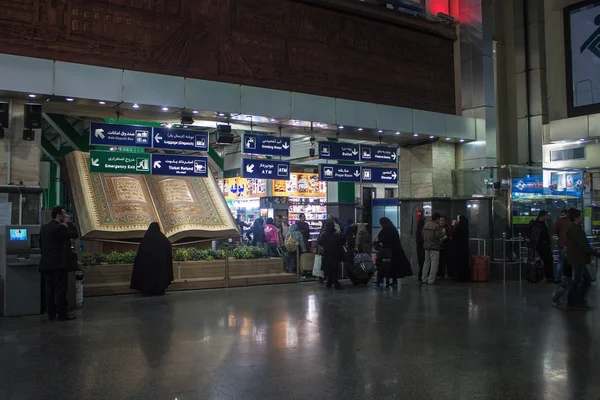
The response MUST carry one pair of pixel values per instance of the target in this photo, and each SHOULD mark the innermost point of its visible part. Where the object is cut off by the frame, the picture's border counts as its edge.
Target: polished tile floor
(450, 341)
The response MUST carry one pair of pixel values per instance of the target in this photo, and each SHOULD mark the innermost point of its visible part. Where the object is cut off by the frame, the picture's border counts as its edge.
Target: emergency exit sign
(118, 162)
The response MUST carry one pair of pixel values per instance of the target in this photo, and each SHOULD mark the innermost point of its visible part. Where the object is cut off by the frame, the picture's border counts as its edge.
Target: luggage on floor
(480, 268)
(358, 275)
(535, 270)
(365, 262)
(307, 261)
(318, 267)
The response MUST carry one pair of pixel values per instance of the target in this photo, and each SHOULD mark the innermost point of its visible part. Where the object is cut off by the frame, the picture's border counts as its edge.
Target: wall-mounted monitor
(17, 235)
(582, 51)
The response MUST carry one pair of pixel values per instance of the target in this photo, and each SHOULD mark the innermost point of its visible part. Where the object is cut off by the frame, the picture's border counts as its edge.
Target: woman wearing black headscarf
(388, 238)
(153, 267)
(258, 232)
(461, 253)
(331, 243)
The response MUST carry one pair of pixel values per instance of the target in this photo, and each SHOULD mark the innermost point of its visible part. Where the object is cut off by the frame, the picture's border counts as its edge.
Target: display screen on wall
(582, 45)
(301, 185)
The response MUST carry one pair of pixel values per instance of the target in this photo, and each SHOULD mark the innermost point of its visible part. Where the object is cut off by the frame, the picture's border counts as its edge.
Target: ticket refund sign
(266, 145)
(177, 165)
(265, 169)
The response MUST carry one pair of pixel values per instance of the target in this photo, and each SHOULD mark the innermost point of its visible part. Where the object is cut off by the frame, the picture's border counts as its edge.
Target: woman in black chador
(153, 267)
(388, 238)
(331, 243)
(460, 252)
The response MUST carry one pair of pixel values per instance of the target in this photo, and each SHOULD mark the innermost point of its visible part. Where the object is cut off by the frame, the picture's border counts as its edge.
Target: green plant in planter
(113, 258)
(182, 254)
(128, 257)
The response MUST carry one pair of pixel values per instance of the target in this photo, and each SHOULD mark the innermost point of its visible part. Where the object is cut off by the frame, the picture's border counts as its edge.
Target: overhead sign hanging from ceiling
(265, 169)
(119, 162)
(379, 175)
(339, 151)
(180, 139)
(102, 134)
(380, 154)
(339, 173)
(266, 145)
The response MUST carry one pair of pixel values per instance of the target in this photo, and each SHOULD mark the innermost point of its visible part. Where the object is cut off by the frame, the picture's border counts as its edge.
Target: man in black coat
(55, 244)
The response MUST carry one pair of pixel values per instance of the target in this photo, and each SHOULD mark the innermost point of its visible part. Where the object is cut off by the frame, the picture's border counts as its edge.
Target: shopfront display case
(243, 196)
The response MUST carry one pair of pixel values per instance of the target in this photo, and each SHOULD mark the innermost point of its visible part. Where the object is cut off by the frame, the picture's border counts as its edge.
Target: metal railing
(506, 241)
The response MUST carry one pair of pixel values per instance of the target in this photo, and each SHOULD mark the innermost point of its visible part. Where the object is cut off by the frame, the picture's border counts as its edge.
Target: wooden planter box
(109, 279)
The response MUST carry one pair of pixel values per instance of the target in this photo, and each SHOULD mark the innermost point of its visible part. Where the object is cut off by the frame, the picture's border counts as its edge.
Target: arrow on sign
(96, 162)
(394, 156)
(99, 133)
(357, 173)
(158, 138)
(394, 175)
(250, 168)
(157, 164)
(285, 146)
(354, 152)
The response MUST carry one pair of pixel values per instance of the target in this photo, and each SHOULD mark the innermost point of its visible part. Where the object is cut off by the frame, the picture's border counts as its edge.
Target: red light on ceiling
(449, 7)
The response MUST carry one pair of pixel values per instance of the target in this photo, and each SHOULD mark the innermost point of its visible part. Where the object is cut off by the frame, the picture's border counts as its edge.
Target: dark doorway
(368, 194)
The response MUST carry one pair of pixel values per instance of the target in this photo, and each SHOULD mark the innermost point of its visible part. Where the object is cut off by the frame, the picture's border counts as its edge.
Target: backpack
(291, 244)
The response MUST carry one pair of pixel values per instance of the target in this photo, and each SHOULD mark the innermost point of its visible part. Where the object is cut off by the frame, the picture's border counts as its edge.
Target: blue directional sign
(378, 154)
(178, 165)
(180, 139)
(339, 151)
(340, 173)
(266, 145)
(265, 169)
(102, 134)
(379, 175)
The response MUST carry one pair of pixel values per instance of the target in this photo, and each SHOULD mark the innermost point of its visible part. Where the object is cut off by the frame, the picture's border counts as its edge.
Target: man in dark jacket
(579, 254)
(540, 242)
(304, 228)
(55, 244)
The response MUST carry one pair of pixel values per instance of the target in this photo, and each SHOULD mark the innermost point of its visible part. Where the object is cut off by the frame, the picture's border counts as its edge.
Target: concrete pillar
(531, 85)
(426, 171)
(477, 79)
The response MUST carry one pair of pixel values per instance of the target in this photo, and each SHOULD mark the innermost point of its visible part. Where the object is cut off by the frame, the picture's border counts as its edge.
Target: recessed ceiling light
(32, 96)
(165, 108)
(431, 137)
(360, 129)
(397, 132)
(136, 105)
(341, 126)
(102, 102)
(380, 131)
(221, 114)
(416, 134)
(272, 120)
(582, 140)
(296, 122)
(462, 140)
(69, 99)
(195, 112)
(447, 138)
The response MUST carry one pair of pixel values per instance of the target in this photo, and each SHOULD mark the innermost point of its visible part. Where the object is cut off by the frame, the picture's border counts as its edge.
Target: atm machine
(20, 285)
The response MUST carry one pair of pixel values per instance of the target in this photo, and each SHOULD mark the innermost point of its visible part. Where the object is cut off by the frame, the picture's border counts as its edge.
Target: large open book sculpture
(114, 206)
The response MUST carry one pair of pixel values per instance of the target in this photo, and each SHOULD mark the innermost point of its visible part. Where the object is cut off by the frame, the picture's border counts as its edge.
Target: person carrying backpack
(294, 242)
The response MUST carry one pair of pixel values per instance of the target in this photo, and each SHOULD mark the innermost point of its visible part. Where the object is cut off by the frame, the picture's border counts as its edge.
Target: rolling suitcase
(480, 265)
(535, 269)
(358, 275)
(307, 261)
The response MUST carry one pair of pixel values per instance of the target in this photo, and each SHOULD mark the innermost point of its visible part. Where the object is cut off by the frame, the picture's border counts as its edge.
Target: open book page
(109, 206)
(191, 207)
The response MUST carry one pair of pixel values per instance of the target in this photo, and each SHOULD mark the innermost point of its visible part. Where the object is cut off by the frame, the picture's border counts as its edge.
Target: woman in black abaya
(388, 238)
(460, 251)
(153, 267)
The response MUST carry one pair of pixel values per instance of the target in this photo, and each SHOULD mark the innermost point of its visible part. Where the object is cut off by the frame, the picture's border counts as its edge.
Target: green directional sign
(117, 162)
